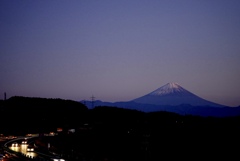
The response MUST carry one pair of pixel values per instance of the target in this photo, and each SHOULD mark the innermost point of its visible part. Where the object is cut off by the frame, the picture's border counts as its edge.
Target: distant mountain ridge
(172, 98)
(183, 109)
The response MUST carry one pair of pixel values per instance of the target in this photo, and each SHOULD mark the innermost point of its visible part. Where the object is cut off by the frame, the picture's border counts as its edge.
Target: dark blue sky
(118, 50)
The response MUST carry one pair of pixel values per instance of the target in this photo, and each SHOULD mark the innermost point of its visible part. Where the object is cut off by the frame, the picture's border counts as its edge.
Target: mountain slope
(173, 94)
(183, 109)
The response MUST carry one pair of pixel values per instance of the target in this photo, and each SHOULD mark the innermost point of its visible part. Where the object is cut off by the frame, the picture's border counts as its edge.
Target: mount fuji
(173, 94)
(172, 98)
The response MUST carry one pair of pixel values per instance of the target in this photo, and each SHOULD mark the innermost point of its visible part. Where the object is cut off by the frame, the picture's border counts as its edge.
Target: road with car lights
(18, 150)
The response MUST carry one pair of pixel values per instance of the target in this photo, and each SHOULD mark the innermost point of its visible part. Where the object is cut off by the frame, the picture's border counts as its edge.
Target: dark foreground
(115, 134)
(165, 144)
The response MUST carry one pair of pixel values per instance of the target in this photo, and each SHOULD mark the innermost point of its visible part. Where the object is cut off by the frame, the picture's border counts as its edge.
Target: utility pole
(92, 98)
(5, 96)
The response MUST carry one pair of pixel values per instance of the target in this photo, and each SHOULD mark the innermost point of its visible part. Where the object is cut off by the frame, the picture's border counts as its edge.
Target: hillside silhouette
(39, 114)
(113, 133)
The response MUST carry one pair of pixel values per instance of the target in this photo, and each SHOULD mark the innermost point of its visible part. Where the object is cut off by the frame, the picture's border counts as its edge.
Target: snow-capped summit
(173, 94)
(167, 89)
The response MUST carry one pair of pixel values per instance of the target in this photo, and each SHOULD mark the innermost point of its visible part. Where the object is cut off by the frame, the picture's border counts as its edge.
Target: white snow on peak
(167, 89)
(173, 85)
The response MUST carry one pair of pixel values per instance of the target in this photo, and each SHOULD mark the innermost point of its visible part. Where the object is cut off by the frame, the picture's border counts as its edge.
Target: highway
(17, 150)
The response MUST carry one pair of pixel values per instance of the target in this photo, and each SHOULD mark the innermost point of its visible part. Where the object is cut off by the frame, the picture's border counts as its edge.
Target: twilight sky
(118, 50)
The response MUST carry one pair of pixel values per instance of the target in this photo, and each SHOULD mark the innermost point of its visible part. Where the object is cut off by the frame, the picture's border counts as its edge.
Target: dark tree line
(24, 113)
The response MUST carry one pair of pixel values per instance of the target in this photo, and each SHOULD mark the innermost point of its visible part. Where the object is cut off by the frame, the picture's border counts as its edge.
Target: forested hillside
(39, 114)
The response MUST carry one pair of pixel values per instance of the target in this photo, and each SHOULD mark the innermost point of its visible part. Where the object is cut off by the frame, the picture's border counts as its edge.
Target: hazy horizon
(120, 50)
